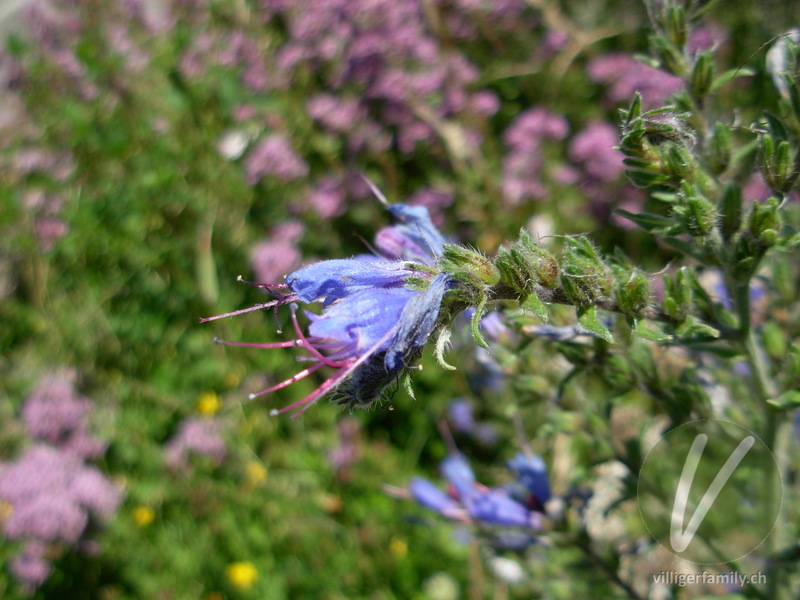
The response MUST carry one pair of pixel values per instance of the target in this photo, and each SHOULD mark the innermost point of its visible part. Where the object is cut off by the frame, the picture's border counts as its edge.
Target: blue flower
(531, 473)
(378, 313)
(469, 501)
(428, 495)
(417, 239)
(332, 280)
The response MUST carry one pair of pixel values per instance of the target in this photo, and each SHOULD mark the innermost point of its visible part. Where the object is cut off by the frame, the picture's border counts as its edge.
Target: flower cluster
(278, 253)
(56, 414)
(624, 76)
(378, 312)
(525, 159)
(195, 436)
(49, 494)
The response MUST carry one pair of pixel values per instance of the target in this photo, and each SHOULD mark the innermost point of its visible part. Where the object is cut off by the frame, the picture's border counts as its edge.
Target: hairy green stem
(585, 545)
(765, 389)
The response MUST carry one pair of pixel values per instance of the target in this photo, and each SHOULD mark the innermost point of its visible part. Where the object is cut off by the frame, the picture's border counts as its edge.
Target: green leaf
(442, 341)
(787, 401)
(730, 75)
(744, 152)
(653, 335)
(691, 327)
(535, 305)
(587, 317)
(406, 383)
(668, 197)
(475, 323)
(647, 221)
(687, 248)
(791, 241)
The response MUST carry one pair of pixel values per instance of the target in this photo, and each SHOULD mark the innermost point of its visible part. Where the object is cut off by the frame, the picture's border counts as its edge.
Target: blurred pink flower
(756, 188)
(625, 75)
(53, 493)
(274, 156)
(328, 197)
(195, 436)
(594, 149)
(31, 567)
(278, 254)
(56, 413)
(523, 162)
(434, 200)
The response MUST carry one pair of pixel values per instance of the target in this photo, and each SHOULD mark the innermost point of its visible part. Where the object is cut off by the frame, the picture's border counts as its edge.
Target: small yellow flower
(208, 403)
(6, 511)
(398, 547)
(256, 472)
(331, 503)
(143, 516)
(242, 574)
(232, 380)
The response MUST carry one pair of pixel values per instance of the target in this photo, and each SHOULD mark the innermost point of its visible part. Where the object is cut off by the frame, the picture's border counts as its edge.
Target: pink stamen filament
(277, 286)
(307, 345)
(286, 344)
(333, 381)
(301, 375)
(245, 310)
(312, 398)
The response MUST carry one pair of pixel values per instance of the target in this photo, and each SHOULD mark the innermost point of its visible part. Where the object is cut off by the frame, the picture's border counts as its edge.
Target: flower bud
(677, 25)
(632, 292)
(670, 54)
(584, 277)
(679, 164)
(721, 148)
(730, 211)
(468, 266)
(696, 213)
(778, 163)
(525, 264)
(702, 74)
(764, 222)
(656, 145)
(678, 294)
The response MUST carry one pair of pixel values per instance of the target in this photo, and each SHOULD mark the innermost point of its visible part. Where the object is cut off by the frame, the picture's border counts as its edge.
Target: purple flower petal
(417, 323)
(495, 507)
(428, 495)
(419, 227)
(331, 280)
(457, 471)
(362, 319)
(532, 473)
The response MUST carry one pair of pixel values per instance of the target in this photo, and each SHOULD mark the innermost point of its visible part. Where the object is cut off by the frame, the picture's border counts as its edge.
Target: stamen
(277, 286)
(307, 345)
(244, 310)
(312, 398)
(332, 382)
(286, 344)
(374, 188)
(301, 375)
(447, 435)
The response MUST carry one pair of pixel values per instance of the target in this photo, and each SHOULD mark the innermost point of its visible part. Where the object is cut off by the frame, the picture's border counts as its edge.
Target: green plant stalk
(609, 570)
(765, 389)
